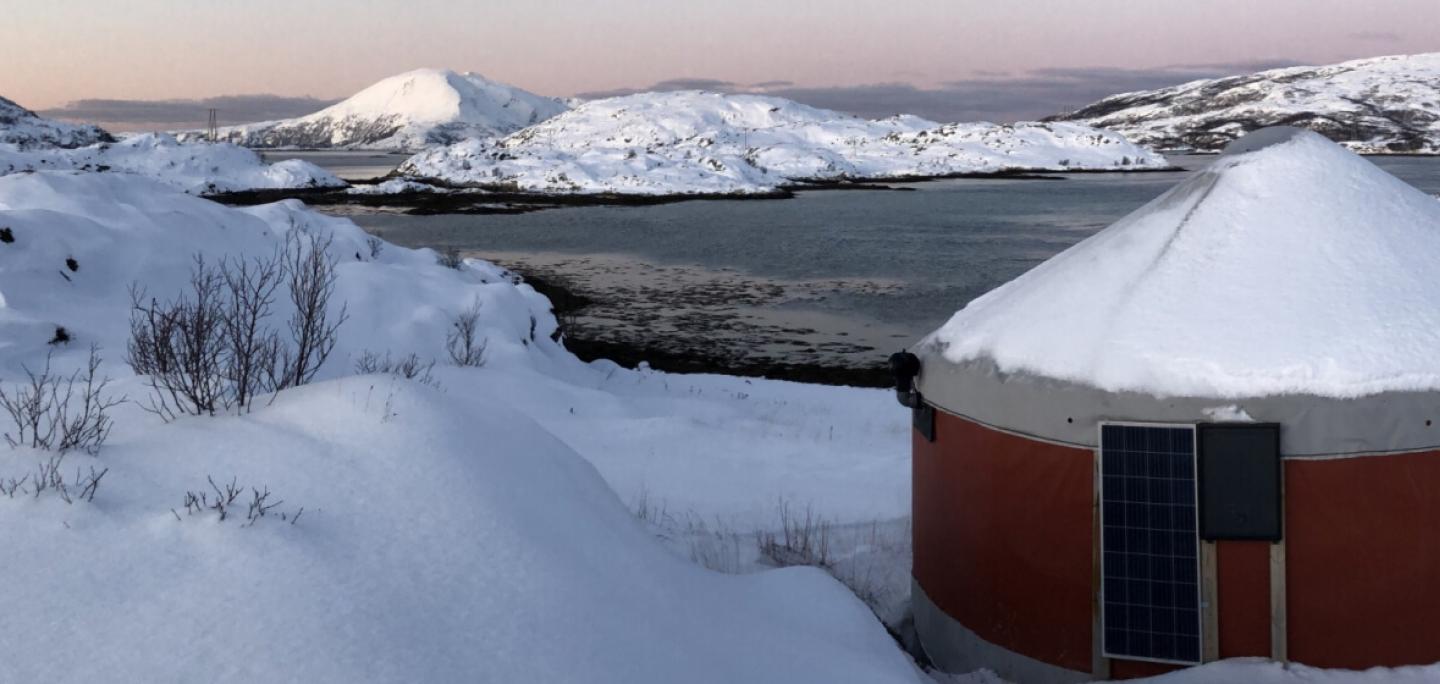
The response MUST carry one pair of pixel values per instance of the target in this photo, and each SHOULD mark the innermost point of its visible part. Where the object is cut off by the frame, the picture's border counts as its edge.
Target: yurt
(1211, 430)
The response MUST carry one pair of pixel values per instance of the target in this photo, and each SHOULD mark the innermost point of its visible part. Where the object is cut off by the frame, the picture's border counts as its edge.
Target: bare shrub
(409, 367)
(61, 413)
(376, 245)
(224, 501)
(212, 347)
(716, 548)
(49, 478)
(180, 345)
(252, 349)
(310, 274)
(465, 346)
(450, 258)
(801, 540)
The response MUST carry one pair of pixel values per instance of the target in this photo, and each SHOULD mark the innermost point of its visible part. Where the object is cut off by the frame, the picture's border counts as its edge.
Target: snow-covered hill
(447, 533)
(700, 142)
(196, 168)
(22, 127)
(406, 112)
(1379, 105)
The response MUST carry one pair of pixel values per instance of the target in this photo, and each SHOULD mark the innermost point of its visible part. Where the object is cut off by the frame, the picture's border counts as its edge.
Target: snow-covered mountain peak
(1375, 105)
(407, 111)
(442, 96)
(20, 126)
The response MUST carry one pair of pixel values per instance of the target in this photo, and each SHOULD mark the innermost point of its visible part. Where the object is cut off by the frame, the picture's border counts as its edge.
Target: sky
(158, 61)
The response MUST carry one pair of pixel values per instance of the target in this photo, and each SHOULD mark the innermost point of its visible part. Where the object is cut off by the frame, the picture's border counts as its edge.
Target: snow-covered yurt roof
(1290, 267)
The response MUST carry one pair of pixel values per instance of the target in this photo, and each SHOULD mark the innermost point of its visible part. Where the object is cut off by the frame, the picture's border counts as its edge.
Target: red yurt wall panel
(1003, 538)
(1363, 560)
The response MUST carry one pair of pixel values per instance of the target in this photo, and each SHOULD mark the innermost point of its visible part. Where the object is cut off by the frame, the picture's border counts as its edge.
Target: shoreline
(482, 200)
(678, 357)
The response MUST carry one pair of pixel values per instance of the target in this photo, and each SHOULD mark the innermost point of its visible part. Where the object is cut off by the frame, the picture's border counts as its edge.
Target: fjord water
(901, 262)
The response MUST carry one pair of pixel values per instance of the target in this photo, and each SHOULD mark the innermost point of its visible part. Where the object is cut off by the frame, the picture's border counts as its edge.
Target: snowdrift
(196, 168)
(699, 142)
(442, 539)
(409, 111)
(1292, 267)
(447, 533)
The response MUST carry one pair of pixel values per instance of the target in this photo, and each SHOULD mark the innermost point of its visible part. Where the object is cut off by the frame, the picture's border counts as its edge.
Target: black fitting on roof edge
(905, 366)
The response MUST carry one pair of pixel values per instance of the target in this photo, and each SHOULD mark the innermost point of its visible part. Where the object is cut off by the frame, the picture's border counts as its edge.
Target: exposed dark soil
(706, 344)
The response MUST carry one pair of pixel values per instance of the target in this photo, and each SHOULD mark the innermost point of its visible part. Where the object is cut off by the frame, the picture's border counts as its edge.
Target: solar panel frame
(1192, 540)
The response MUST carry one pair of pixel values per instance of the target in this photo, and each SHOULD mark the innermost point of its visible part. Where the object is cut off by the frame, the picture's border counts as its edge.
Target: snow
(1259, 671)
(474, 530)
(24, 128)
(1252, 671)
(391, 187)
(197, 168)
(700, 142)
(1295, 268)
(409, 111)
(444, 537)
(1376, 105)
(475, 527)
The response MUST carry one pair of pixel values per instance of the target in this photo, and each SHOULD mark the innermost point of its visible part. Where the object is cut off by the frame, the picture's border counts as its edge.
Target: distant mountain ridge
(20, 126)
(1377, 105)
(409, 111)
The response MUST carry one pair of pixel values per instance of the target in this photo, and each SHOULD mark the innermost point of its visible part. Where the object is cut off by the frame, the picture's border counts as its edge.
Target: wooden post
(1279, 635)
(1210, 600)
(1099, 664)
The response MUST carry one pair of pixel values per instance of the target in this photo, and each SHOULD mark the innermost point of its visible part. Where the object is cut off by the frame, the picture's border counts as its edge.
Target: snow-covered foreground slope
(22, 127)
(1378, 105)
(445, 537)
(1296, 266)
(196, 168)
(409, 111)
(448, 533)
(698, 142)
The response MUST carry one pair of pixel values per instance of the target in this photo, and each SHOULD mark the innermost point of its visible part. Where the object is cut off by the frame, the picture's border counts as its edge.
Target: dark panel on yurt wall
(1003, 538)
(1150, 552)
(1240, 481)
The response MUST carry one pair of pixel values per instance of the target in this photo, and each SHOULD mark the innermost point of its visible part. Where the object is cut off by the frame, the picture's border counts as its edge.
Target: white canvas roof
(1289, 266)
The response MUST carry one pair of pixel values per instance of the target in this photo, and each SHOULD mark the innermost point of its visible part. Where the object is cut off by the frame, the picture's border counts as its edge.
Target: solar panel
(1150, 565)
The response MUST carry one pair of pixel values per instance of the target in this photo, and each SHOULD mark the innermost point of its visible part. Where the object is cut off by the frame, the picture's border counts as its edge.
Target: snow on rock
(1378, 105)
(394, 186)
(197, 168)
(410, 111)
(700, 142)
(1290, 265)
(24, 128)
(449, 533)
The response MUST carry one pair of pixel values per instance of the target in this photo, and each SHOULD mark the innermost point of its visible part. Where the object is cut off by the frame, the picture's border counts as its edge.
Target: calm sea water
(942, 244)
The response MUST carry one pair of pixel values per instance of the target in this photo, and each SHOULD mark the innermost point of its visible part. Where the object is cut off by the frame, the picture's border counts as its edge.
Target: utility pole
(214, 125)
